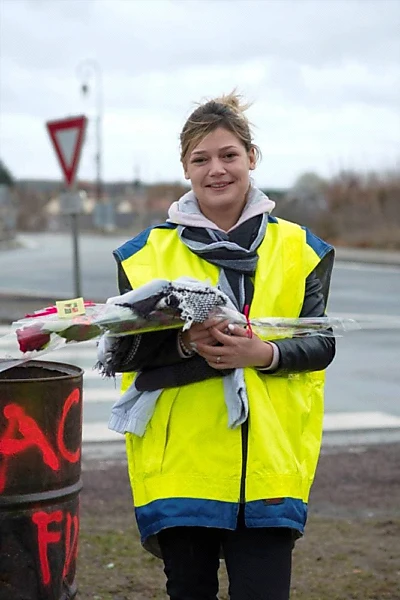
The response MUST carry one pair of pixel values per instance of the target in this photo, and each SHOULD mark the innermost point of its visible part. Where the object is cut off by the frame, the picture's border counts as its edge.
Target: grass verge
(351, 550)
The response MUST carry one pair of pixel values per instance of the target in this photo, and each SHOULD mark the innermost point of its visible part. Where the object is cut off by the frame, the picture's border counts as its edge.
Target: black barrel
(40, 480)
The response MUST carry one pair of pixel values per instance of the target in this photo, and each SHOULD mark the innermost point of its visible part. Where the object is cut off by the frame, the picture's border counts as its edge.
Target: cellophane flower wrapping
(275, 328)
(159, 305)
(155, 306)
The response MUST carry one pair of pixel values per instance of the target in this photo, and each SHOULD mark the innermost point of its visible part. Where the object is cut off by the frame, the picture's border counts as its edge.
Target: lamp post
(86, 70)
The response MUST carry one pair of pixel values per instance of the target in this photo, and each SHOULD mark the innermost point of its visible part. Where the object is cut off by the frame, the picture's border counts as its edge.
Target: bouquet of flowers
(157, 305)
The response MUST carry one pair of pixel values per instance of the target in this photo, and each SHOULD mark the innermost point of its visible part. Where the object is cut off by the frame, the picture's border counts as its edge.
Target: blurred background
(323, 77)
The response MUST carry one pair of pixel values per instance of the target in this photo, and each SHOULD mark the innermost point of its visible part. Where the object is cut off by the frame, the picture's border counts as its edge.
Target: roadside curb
(14, 304)
(17, 302)
(345, 254)
(49, 297)
(10, 244)
(350, 255)
(368, 255)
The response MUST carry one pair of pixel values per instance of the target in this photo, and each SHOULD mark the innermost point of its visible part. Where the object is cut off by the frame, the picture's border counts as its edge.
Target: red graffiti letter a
(20, 422)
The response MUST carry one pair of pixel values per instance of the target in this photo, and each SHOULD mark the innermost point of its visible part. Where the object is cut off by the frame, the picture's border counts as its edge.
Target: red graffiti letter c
(71, 457)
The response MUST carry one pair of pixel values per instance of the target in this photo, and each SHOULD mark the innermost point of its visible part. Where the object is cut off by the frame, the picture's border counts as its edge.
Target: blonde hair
(227, 111)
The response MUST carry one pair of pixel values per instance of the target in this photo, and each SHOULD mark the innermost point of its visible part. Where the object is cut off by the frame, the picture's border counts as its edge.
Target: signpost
(67, 136)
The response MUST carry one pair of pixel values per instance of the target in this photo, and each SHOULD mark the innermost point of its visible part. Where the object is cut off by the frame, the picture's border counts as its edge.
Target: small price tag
(67, 309)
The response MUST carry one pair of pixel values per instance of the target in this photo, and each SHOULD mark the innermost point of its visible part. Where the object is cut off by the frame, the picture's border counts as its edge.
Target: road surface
(363, 383)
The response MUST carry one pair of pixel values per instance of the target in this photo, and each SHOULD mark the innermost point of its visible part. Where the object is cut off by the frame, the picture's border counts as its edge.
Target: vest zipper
(245, 443)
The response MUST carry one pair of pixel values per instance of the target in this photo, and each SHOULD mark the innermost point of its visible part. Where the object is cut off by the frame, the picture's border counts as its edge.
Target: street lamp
(86, 70)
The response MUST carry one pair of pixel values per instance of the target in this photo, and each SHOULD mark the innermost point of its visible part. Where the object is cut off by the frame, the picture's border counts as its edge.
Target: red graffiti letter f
(46, 537)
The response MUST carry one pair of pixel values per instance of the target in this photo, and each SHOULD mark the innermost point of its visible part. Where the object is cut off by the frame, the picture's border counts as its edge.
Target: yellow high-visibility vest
(187, 468)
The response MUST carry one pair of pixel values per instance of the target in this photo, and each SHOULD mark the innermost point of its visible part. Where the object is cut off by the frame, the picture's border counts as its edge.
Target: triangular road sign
(67, 136)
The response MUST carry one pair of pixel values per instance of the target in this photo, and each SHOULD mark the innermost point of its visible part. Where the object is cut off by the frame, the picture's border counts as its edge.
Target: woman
(202, 488)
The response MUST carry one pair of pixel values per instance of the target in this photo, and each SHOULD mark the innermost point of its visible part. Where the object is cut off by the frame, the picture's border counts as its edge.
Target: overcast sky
(323, 76)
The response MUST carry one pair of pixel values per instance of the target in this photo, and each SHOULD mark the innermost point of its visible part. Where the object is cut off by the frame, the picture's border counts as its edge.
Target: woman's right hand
(200, 332)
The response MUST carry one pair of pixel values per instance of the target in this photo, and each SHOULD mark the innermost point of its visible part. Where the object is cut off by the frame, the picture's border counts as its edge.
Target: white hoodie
(186, 211)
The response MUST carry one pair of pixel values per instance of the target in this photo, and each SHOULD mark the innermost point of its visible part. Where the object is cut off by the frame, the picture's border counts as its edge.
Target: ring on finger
(218, 359)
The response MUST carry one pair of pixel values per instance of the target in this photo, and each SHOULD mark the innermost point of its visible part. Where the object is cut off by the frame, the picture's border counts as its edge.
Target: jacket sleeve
(155, 348)
(307, 353)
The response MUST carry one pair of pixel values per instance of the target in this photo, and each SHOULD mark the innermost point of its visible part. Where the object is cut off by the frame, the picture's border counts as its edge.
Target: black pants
(258, 561)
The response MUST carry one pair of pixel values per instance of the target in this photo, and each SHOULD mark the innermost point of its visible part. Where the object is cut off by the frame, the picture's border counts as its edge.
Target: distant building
(126, 206)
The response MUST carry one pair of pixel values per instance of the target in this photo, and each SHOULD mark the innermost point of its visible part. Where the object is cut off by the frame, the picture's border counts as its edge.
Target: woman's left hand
(238, 350)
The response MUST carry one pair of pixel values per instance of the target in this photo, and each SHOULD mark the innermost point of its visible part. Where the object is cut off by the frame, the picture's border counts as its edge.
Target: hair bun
(234, 101)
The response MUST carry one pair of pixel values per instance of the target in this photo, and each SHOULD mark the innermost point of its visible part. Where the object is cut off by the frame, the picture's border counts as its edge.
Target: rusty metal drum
(40, 480)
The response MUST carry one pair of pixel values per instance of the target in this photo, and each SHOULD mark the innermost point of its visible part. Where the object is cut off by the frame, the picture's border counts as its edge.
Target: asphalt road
(365, 375)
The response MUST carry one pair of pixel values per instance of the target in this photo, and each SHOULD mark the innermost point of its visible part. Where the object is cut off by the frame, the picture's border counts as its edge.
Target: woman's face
(218, 168)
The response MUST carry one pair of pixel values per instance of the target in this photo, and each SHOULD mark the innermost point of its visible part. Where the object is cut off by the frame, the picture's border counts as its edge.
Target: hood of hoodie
(186, 211)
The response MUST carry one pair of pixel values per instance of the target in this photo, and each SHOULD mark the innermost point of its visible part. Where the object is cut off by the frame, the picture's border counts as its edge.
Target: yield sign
(67, 136)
